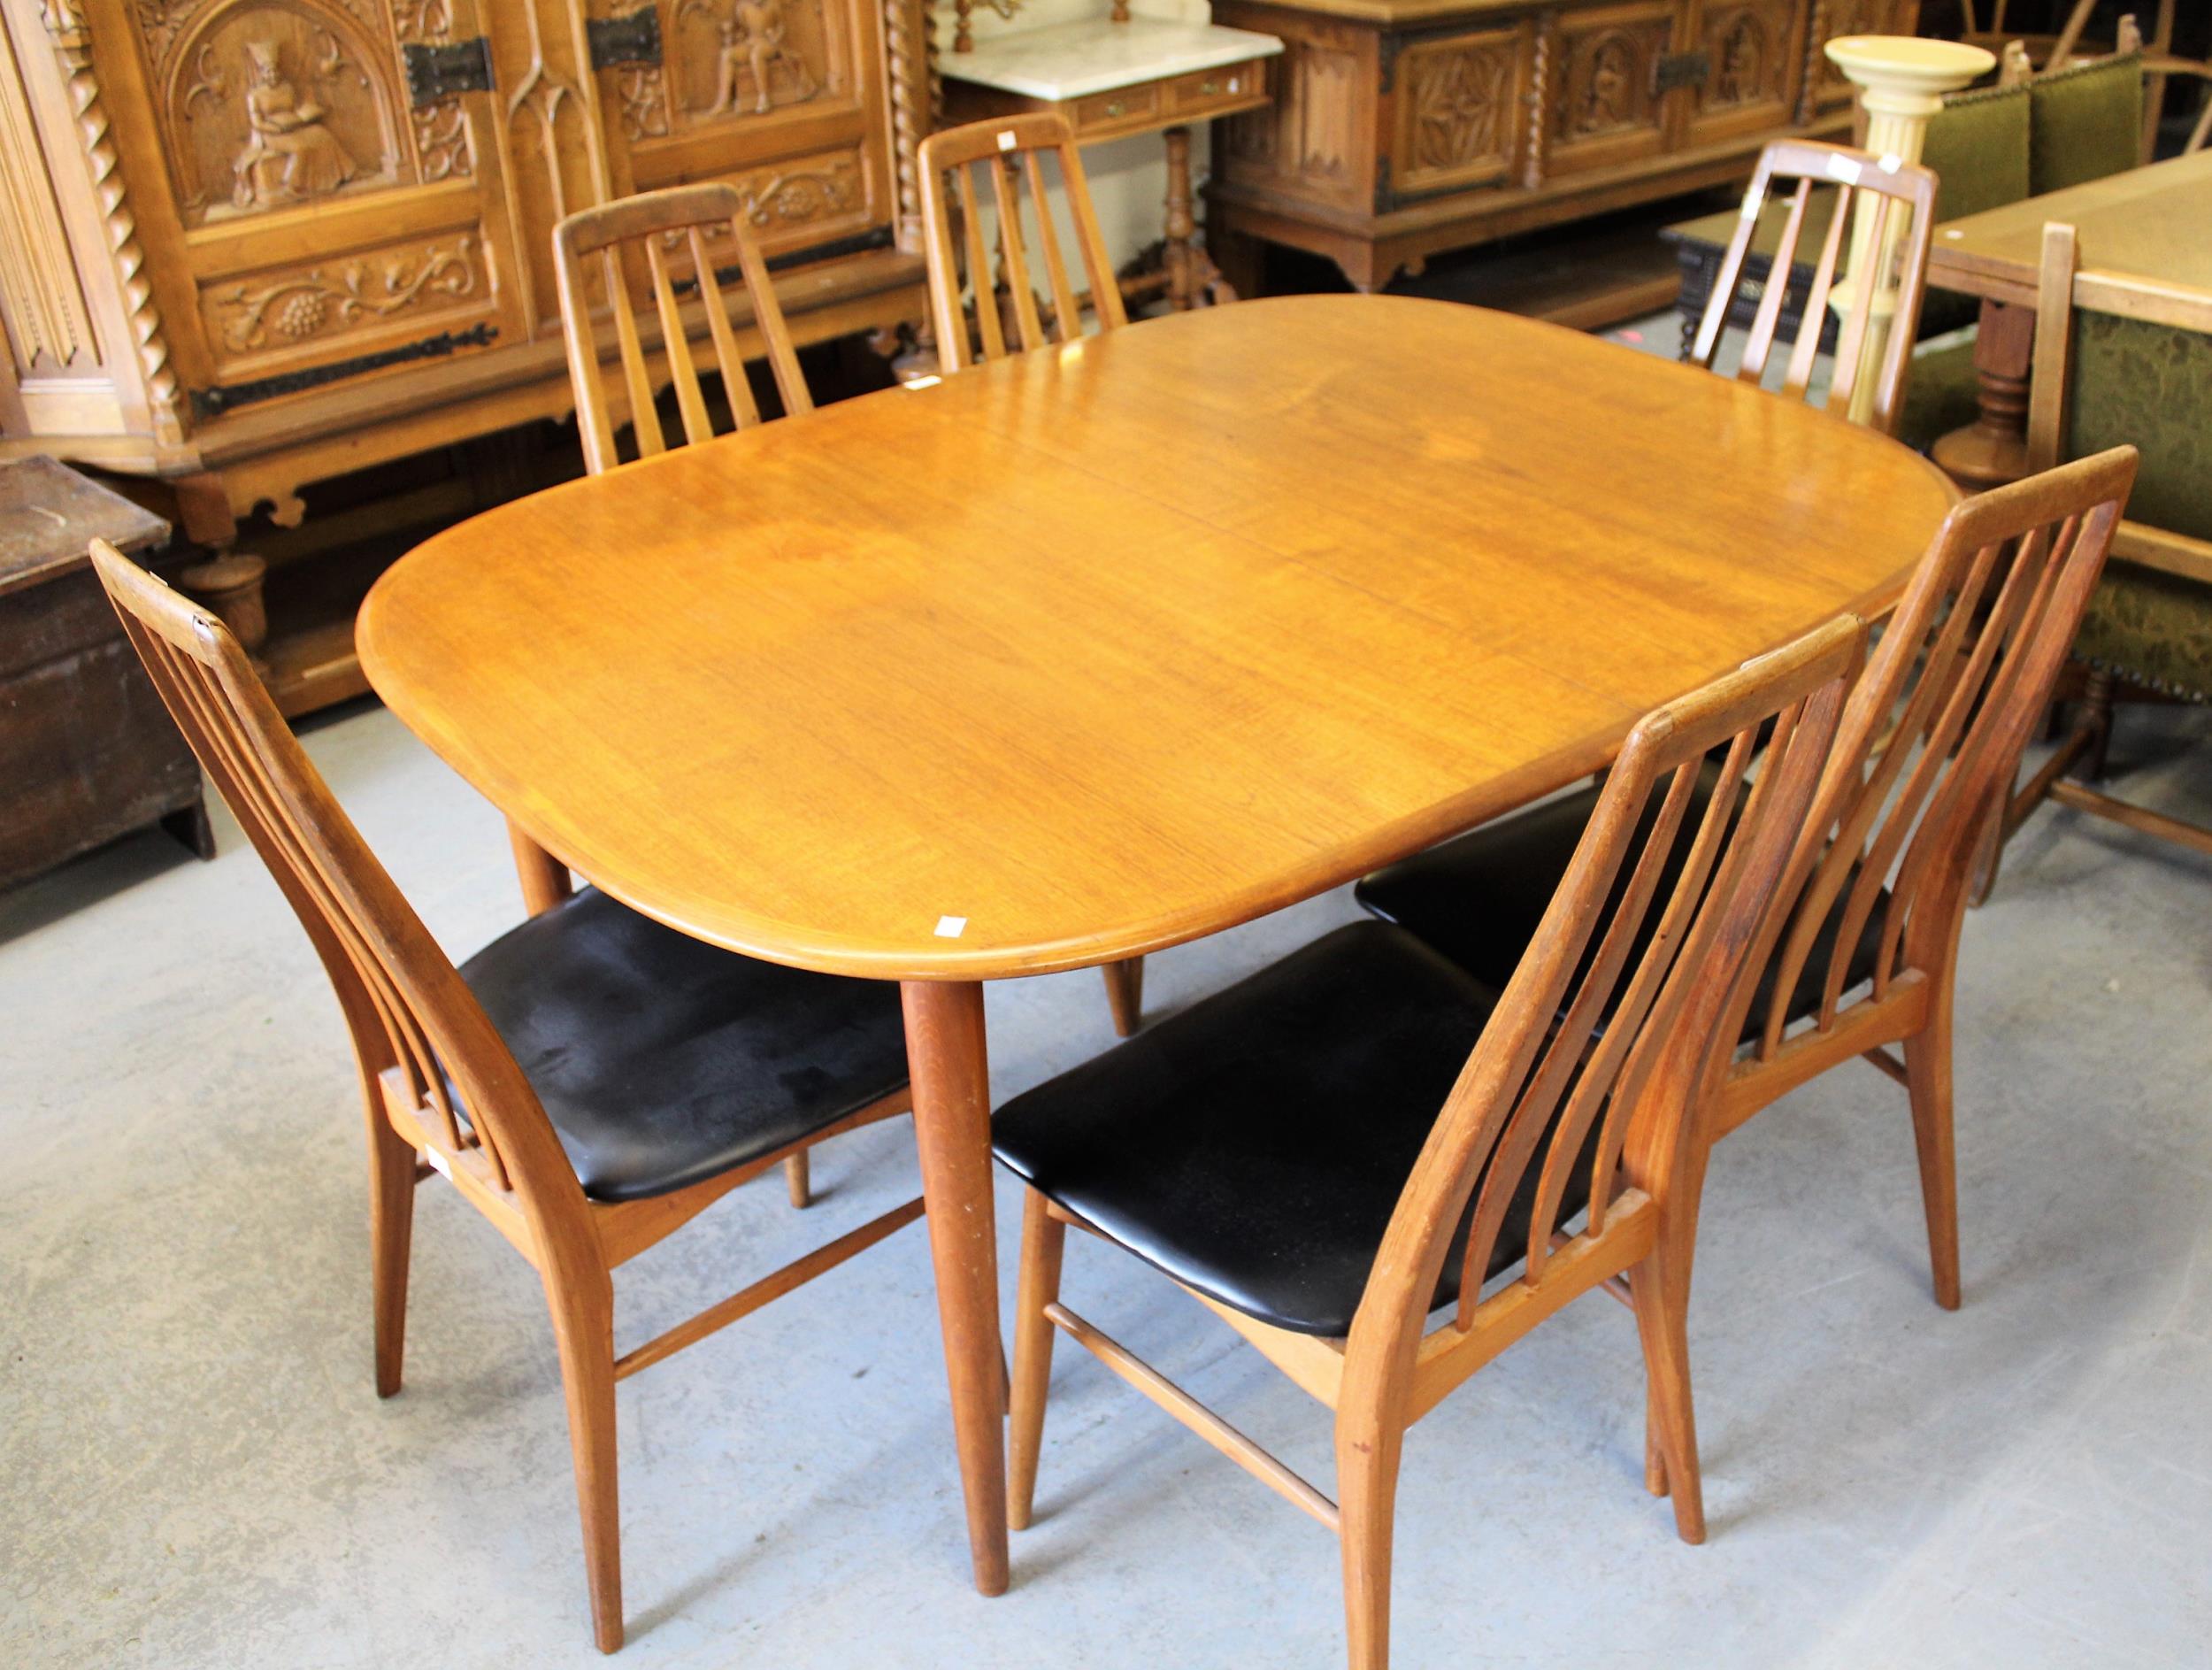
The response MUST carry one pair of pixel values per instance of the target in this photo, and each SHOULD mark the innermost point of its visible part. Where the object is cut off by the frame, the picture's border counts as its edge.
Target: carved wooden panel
(1319, 139)
(785, 99)
(47, 320)
(255, 321)
(1754, 54)
(1603, 103)
(1460, 109)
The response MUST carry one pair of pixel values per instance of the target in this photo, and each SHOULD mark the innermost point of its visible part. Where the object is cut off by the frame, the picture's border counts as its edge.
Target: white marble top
(1074, 61)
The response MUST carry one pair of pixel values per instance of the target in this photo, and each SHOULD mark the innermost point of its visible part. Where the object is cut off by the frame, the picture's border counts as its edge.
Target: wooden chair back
(1934, 731)
(1661, 973)
(1865, 185)
(667, 232)
(1009, 152)
(419, 1033)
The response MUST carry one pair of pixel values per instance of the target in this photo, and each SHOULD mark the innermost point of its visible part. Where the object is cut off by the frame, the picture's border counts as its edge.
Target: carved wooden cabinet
(253, 244)
(1403, 127)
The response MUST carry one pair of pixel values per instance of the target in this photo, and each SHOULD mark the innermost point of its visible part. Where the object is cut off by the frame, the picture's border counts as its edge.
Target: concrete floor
(196, 1471)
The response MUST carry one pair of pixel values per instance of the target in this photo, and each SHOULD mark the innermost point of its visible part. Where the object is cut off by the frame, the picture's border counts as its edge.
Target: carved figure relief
(761, 56)
(1462, 106)
(1739, 63)
(288, 153)
(279, 103)
(300, 305)
(1605, 82)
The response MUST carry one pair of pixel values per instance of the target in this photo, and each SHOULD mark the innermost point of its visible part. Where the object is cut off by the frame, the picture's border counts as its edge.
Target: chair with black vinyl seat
(1923, 770)
(1363, 1135)
(589, 1081)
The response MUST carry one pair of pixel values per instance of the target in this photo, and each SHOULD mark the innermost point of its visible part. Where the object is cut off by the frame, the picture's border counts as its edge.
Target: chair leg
(391, 1235)
(1654, 1457)
(1124, 993)
(1928, 1078)
(1661, 1291)
(583, 1329)
(1044, 1238)
(1367, 1456)
(799, 1179)
(2096, 714)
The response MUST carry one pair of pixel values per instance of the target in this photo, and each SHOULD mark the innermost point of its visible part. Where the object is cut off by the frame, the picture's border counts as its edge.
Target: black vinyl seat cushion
(1254, 1146)
(1478, 898)
(662, 1061)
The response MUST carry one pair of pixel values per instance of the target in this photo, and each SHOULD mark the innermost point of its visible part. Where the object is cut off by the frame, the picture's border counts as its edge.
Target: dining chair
(589, 1081)
(1854, 183)
(1009, 152)
(1381, 1172)
(1923, 765)
(2110, 362)
(612, 243)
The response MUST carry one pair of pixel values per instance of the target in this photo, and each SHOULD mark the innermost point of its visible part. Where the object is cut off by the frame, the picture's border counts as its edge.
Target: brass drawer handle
(1115, 107)
(1208, 89)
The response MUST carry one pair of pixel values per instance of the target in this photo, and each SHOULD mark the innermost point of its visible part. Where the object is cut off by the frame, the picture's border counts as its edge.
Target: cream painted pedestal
(1902, 80)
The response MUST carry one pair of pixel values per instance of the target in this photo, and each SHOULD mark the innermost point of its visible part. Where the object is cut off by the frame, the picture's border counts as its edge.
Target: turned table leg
(1182, 287)
(946, 1057)
(1994, 449)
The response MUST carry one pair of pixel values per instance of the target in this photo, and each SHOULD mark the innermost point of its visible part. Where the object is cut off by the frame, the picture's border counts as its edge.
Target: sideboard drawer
(1125, 107)
(1235, 87)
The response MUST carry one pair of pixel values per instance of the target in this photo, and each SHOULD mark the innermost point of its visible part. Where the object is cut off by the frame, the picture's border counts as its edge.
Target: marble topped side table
(1111, 78)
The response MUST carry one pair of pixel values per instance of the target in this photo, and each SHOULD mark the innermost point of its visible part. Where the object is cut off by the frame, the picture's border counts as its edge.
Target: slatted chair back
(1934, 735)
(412, 1019)
(1009, 153)
(1861, 186)
(667, 232)
(1596, 1052)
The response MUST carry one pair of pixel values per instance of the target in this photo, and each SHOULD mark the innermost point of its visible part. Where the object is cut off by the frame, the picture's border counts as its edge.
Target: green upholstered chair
(2101, 378)
(1977, 146)
(2086, 122)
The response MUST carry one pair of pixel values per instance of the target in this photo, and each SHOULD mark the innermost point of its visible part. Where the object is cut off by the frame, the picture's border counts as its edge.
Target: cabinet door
(785, 99)
(314, 217)
(1457, 102)
(1750, 56)
(1603, 103)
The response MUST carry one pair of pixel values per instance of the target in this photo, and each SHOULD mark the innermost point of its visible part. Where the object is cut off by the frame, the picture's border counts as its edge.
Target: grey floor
(197, 1472)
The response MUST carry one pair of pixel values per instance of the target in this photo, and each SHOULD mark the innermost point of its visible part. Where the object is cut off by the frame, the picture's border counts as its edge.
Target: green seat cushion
(2086, 122)
(2151, 627)
(1977, 145)
(2148, 386)
(1942, 391)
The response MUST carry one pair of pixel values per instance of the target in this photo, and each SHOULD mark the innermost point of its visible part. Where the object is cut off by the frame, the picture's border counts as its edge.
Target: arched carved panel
(1460, 103)
(274, 104)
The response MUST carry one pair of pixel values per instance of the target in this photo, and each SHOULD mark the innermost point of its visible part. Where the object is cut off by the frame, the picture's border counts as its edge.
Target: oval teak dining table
(1089, 651)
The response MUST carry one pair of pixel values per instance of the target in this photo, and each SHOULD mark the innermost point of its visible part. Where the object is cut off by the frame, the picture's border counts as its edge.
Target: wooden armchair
(1925, 757)
(2114, 358)
(1010, 150)
(589, 1081)
(1278, 1149)
(1857, 182)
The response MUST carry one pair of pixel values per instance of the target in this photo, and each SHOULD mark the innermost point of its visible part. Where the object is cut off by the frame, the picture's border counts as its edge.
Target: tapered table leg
(952, 1130)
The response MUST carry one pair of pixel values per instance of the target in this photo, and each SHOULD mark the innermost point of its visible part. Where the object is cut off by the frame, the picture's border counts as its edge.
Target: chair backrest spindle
(660, 227)
(1868, 190)
(1009, 153)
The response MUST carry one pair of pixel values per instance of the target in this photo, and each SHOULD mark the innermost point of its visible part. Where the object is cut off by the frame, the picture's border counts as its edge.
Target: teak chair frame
(1009, 148)
(417, 1029)
(1870, 185)
(612, 240)
(2063, 292)
(1922, 766)
(1533, 1075)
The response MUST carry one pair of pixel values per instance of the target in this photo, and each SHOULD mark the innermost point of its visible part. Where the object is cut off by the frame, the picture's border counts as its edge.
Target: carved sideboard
(1404, 127)
(251, 244)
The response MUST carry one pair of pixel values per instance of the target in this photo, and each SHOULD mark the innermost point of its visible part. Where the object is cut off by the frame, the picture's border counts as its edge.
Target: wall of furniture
(248, 244)
(1404, 127)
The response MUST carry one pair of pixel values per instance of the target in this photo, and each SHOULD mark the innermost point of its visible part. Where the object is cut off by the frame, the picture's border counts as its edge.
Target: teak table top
(1099, 649)
(2147, 231)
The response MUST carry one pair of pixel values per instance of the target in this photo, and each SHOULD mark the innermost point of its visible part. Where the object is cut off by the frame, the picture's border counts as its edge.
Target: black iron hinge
(440, 72)
(1681, 69)
(633, 38)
